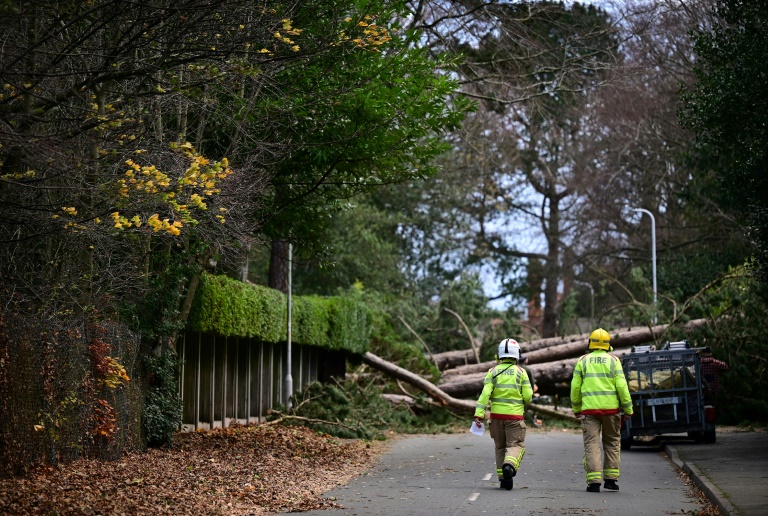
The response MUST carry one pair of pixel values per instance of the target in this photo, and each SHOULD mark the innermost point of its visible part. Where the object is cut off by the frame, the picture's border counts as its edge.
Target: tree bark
(400, 399)
(278, 266)
(465, 406)
(450, 359)
(420, 383)
(575, 345)
(552, 374)
(549, 376)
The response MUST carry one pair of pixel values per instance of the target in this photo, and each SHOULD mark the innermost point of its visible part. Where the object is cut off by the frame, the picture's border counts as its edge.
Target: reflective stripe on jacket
(598, 386)
(507, 389)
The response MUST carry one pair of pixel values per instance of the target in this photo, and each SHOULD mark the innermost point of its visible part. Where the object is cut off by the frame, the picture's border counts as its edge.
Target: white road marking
(488, 476)
(474, 497)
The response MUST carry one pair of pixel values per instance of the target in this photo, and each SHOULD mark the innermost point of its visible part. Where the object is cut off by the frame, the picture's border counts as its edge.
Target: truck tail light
(709, 414)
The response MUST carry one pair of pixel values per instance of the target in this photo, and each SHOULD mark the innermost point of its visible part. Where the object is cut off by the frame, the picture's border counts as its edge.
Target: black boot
(508, 471)
(611, 485)
(593, 488)
(510, 467)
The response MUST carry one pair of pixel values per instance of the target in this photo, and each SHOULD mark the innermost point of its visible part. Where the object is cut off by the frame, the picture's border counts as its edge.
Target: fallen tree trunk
(619, 340)
(451, 359)
(623, 337)
(417, 381)
(549, 376)
(466, 406)
(400, 399)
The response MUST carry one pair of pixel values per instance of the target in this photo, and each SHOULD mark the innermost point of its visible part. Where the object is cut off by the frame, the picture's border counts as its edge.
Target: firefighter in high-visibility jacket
(507, 389)
(599, 396)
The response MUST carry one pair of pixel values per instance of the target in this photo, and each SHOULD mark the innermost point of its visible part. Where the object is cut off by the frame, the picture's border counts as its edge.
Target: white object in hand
(477, 430)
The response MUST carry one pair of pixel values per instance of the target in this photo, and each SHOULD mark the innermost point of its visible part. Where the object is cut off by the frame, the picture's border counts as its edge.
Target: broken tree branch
(472, 345)
(431, 357)
(464, 406)
(284, 417)
(420, 383)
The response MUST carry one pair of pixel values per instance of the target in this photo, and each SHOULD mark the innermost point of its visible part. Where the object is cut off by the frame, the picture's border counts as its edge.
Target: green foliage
(233, 308)
(391, 340)
(362, 114)
(465, 297)
(684, 274)
(737, 304)
(727, 109)
(568, 311)
(349, 324)
(440, 321)
(311, 320)
(162, 405)
(356, 409)
(363, 245)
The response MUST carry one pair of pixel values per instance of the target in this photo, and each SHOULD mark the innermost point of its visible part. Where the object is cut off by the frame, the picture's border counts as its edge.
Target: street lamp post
(653, 254)
(289, 365)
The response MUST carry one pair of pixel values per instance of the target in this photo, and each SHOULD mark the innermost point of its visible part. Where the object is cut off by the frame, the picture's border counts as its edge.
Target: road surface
(454, 474)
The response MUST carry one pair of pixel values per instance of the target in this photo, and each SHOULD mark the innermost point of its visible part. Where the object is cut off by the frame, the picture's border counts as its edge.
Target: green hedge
(230, 308)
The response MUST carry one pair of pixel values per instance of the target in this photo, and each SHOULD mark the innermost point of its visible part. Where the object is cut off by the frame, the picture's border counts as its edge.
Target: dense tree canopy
(727, 108)
(162, 135)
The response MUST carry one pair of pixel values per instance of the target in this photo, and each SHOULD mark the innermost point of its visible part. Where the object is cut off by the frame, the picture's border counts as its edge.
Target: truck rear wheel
(626, 443)
(710, 436)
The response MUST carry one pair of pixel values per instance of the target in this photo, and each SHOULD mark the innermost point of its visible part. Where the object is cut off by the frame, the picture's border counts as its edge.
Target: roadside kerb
(702, 482)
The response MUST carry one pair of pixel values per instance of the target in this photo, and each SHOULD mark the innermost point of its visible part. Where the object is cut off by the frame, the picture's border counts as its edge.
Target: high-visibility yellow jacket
(598, 386)
(507, 388)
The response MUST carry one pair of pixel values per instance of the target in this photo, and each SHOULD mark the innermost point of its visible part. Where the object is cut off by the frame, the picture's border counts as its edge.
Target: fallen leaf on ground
(242, 470)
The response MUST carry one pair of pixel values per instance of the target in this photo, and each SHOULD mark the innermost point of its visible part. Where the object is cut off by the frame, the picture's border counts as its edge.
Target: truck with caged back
(669, 394)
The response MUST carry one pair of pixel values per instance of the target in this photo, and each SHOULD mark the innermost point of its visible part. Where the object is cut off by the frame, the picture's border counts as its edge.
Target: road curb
(709, 489)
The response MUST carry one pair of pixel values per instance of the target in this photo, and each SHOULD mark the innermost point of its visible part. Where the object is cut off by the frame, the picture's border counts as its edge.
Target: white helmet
(509, 348)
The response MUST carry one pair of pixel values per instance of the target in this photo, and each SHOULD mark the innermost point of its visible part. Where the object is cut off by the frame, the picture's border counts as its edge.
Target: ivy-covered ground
(246, 470)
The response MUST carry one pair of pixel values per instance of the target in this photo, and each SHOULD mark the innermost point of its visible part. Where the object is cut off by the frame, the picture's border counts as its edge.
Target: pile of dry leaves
(247, 470)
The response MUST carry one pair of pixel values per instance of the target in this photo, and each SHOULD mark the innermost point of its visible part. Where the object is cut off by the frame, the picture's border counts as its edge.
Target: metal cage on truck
(668, 393)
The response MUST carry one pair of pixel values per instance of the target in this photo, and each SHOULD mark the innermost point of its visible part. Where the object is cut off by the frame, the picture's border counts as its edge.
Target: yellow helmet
(600, 339)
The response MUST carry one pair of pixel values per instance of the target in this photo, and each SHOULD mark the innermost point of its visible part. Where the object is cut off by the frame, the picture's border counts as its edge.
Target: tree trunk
(572, 346)
(400, 399)
(420, 383)
(618, 341)
(463, 386)
(278, 266)
(549, 377)
(450, 359)
(468, 380)
(465, 406)
(245, 263)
